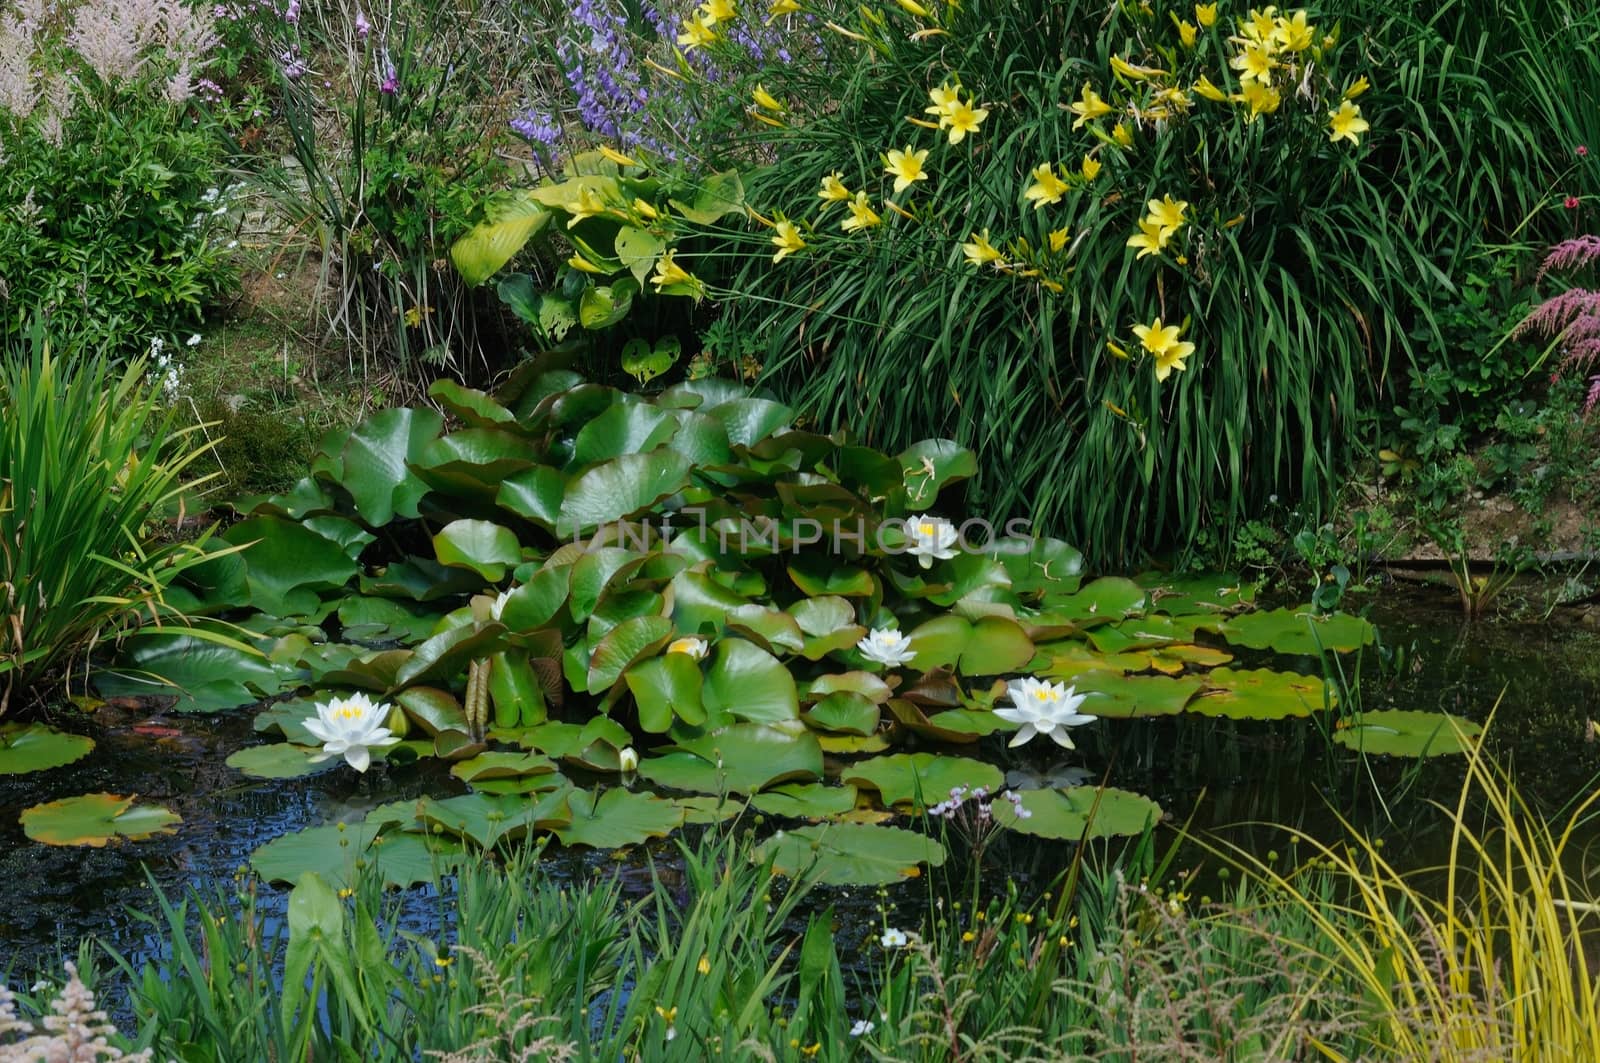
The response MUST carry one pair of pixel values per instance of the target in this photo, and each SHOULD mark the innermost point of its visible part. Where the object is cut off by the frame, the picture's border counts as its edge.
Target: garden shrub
(109, 205)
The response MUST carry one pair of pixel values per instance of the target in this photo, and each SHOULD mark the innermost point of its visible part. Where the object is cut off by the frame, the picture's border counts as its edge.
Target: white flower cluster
(74, 1030)
(960, 795)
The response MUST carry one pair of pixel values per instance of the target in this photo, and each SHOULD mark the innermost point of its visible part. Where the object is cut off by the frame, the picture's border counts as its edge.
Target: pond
(1235, 777)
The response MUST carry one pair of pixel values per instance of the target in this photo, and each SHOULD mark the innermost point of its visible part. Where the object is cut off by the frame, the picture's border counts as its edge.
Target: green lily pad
(620, 488)
(806, 800)
(931, 465)
(1064, 814)
(1103, 601)
(1069, 660)
(1205, 593)
(922, 779)
(486, 819)
(1298, 631)
(96, 819)
(35, 747)
(1407, 733)
(616, 818)
(279, 760)
(844, 712)
(342, 852)
(743, 758)
(205, 676)
(667, 688)
(375, 463)
(483, 546)
(851, 854)
(1259, 694)
(748, 683)
(1134, 696)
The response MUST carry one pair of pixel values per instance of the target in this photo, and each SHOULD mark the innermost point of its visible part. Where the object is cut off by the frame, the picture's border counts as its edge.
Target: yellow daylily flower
(1122, 134)
(1151, 239)
(589, 204)
(766, 119)
(943, 99)
(1121, 66)
(1205, 14)
(669, 272)
(980, 252)
(696, 34)
(1091, 168)
(1357, 87)
(616, 156)
(911, 7)
(1205, 88)
(765, 99)
(833, 189)
(714, 11)
(962, 119)
(786, 238)
(1089, 107)
(1175, 96)
(1254, 63)
(841, 31)
(905, 166)
(1046, 187)
(782, 7)
(1262, 25)
(1293, 34)
(898, 209)
(1120, 353)
(1058, 239)
(578, 262)
(704, 966)
(1346, 123)
(1188, 32)
(862, 216)
(1162, 342)
(1168, 213)
(645, 210)
(1260, 98)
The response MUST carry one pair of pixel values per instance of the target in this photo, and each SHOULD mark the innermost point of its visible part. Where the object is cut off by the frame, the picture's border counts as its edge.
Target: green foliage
(90, 460)
(109, 194)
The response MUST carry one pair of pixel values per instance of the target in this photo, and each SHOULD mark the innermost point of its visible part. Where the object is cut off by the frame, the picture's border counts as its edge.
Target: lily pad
(96, 819)
(616, 818)
(1134, 696)
(205, 676)
(747, 682)
(1407, 733)
(341, 852)
(1259, 694)
(35, 747)
(483, 546)
(922, 779)
(1298, 631)
(742, 758)
(279, 760)
(852, 854)
(806, 800)
(1065, 814)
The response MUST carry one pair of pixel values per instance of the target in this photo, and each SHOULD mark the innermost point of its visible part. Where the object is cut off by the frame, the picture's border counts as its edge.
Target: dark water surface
(1234, 777)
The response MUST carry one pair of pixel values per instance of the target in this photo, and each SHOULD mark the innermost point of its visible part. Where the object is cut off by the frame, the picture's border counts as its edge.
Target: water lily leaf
(747, 682)
(35, 747)
(775, 630)
(534, 493)
(279, 760)
(1206, 593)
(853, 745)
(910, 716)
(974, 722)
(821, 575)
(806, 800)
(487, 819)
(939, 642)
(866, 684)
(1407, 733)
(1071, 659)
(628, 642)
(620, 488)
(1042, 567)
(851, 854)
(507, 765)
(1174, 659)
(1064, 814)
(470, 465)
(1298, 631)
(536, 602)
(824, 615)
(616, 818)
(483, 546)
(742, 758)
(422, 579)
(1148, 632)
(205, 676)
(929, 466)
(844, 712)
(750, 420)
(594, 571)
(432, 709)
(288, 563)
(1103, 601)
(1133, 696)
(442, 656)
(667, 688)
(995, 646)
(473, 407)
(700, 438)
(574, 741)
(366, 619)
(1259, 694)
(95, 819)
(625, 428)
(375, 463)
(340, 853)
(922, 779)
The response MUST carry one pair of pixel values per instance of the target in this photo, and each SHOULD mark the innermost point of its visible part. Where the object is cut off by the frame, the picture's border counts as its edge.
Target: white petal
(1062, 739)
(924, 560)
(1077, 720)
(317, 730)
(359, 758)
(1012, 715)
(1023, 735)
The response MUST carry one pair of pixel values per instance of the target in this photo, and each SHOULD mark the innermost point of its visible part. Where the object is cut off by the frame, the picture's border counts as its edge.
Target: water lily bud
(628, 760)
(398, 723)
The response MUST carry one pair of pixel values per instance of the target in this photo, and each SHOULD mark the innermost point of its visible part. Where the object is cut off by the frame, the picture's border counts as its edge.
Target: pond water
(1235, 777)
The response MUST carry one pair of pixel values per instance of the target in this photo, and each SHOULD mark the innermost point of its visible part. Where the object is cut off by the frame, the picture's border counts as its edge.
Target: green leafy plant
(90, 461)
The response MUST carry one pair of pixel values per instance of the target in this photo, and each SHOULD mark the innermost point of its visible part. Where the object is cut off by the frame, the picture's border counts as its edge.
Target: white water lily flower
(351, 727)
(893, 939)
(628, 759)
(1043, 708)
(931, 538)
(887, 647)
(499, 606)
(694, 647)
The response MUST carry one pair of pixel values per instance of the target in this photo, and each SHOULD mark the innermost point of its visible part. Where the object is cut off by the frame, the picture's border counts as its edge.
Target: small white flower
(694, 647)
(232, 244)
(499, 605)
(193, 341)
(931, 538)
(887, 647)
(893, 939)
(862, 1028)
(628, 759)
(351, 727)
(1043, 708)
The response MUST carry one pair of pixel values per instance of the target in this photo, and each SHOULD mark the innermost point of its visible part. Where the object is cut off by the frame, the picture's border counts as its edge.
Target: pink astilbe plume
(1570, 254)
(1572, 318)
(75, 1030)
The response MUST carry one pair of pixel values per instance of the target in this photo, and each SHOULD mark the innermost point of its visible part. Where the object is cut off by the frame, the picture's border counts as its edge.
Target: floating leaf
(1133, 696)
(486, 819)
(1065, 814)
(376, 463)
(1298, 631)
(35, 747)
(95, 819)
(927, 467)
(1259, 694)
(483, 546)
(667, 688)
(851, 854)
(922, 779)
(806, 800)
(341, 852)
(749, 683)
(279, 760)
(620, 488)
(205, 676)
(742, 758)
(1407, 733)
(288, 563)
(616, 818)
